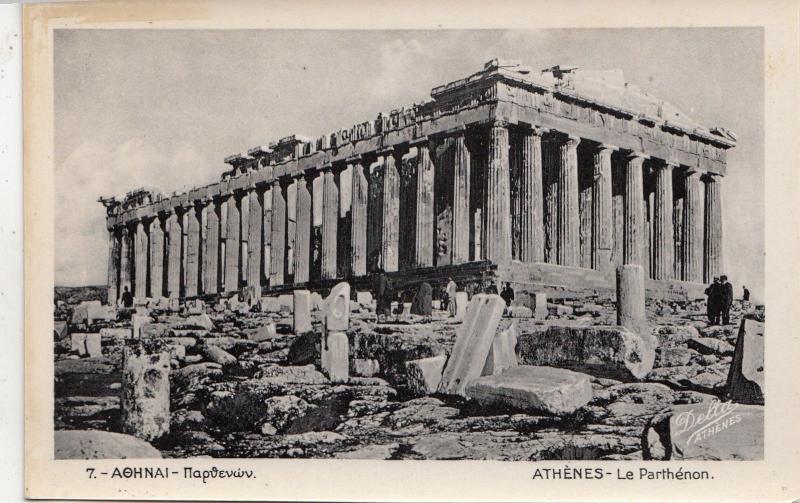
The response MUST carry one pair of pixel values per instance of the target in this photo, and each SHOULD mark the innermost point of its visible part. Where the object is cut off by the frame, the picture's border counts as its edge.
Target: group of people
(720, 299)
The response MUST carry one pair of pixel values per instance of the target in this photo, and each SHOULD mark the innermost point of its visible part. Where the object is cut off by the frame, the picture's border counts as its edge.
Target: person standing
(507, 294)
(726, 299)
(382, 291)
(713, 302)
(127, 298)
(745, 294)
(450, 292)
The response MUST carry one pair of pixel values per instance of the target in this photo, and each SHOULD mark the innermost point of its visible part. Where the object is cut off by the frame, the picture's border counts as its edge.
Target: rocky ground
(243, 385)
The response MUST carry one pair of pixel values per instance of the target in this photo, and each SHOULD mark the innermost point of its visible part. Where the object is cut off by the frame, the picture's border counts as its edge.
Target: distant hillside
(78, 294)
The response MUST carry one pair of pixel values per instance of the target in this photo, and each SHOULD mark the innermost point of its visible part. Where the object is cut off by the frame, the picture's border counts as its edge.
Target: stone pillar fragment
(301, 311)
(630, 298)
(255, 232)
(303, 238)
(145, 391)
(358, 212)
(192, 253)
(156, 258)
(602, 218)
(531, 210)
(390, 228)
(330, 218)
(712, 256)
(663, 266)
(140, 260)
(211, 249)
(633, 228)
(232, 244)
(335, 356)
(567, 212)
(461, 176)
(175, 238)
(423, 246)
(113, 266)
(496, 228)
(692, 242)
(278, 238)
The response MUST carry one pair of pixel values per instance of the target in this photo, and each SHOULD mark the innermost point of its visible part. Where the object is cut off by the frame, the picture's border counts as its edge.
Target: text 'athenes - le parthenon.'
(546, 179)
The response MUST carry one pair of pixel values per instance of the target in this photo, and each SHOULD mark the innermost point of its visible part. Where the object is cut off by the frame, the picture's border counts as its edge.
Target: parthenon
(546, 179)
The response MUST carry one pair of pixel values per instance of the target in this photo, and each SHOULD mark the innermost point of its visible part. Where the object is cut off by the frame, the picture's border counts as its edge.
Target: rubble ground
(243, 384)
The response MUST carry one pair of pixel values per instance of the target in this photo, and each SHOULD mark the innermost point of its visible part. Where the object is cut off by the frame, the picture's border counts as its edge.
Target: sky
(163, 108)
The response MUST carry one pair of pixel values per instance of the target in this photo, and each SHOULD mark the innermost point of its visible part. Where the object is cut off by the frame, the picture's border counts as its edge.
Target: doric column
(113, 266)
(211, 249)
(423, 245)
(692, 242)
(317, 183)
(278, 237)
(243, 200)
(156, 258)
(461, 170)
(663, 266)
(125, 264)
(531, 210)
(344, 183)
(602, 214)
(330, 218)
(633, 227)
(375, 215)
(233, 225)
(266, 235)
(358, 213)
(255, 233)
(140, 260)
(390, 228)
(302, 249)
(712, 256)
(568, 239)
(496, 228)
(192, 252)
(175, 238)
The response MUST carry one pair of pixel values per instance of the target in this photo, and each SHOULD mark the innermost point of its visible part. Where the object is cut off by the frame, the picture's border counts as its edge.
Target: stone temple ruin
(254, 331)
(547, 180)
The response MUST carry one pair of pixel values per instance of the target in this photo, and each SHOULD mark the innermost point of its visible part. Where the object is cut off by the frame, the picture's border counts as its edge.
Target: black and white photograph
(509, 244)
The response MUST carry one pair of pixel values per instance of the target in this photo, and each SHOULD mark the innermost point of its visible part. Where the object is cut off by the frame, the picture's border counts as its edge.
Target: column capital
(635, 154)
(326, 167)
(422, 141)
(565, 138)
(711, 177)
(353, 159)
(385, 151)
(603, 148)
(495, 123)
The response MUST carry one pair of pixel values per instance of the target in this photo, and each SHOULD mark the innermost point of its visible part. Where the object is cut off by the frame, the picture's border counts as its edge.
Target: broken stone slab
(474, 339)
(746, 376)
(195, 306)
(366, 367)
(519, 312)
(78, 343)
(673, 335)
(145, 389)
(502, 354)
(96, 444)
(609, 351)
(533, 389)
(301, 311)
(337, 308)
(115, 334)
(218, 355)
(559, 309)
(270, 305)
(709, 346)
(60, 330)
(540, 310)
(262, 333)
(364, 298)
(196, 321)
(304, 349)
(138, 322)
(93, 345)
(672, 357)
(709, 430)
(335, 356)
(424, 375)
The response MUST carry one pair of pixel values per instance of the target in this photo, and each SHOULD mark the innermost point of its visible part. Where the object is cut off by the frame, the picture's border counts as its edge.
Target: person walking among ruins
(126, 300)
(726, 299)
(745, 294)
(713, 302)
(450, 295)
(507, 294)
